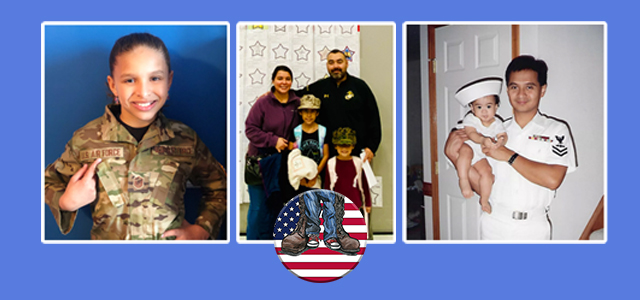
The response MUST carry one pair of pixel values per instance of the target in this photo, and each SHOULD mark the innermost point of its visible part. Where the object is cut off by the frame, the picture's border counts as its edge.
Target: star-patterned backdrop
(301, 47)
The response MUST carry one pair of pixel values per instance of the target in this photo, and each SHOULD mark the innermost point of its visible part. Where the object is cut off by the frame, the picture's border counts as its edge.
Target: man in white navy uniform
(533, 163)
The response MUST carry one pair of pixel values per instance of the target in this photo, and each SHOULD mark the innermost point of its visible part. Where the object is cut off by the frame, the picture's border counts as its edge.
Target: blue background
(32, 269)
(76, 66)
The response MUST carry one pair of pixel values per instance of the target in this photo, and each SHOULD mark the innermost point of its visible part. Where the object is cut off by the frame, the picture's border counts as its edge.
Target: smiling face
(141, 80)
(524, 92)
(282, 82)
(485, 109)
(337, 66)
(344, 151)
(309, 116)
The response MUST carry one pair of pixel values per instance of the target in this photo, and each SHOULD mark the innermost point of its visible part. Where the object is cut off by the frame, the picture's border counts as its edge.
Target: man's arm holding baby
(546, 175)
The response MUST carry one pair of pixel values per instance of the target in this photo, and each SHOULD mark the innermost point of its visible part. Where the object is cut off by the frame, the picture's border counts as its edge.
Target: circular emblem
(138, 182)
(320, 236)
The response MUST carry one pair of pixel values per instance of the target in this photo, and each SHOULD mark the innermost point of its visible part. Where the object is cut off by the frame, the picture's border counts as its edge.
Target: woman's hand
(81, 189)
(281, 144)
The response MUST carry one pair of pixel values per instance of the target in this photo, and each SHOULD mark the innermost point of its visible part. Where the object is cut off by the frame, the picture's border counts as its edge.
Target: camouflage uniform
(141, 184)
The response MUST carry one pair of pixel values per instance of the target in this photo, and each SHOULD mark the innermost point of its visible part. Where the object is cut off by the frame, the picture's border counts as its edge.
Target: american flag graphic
(321, 264)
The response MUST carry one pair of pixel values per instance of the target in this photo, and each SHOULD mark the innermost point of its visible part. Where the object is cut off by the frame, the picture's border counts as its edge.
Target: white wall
(575, 93)
(377, 70)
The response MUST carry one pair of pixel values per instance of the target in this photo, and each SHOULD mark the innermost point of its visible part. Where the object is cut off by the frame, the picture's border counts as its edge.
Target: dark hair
(334, 51)
(131, 41)
(281, 68)
(496, 97)
(528, 62)
(471, 112)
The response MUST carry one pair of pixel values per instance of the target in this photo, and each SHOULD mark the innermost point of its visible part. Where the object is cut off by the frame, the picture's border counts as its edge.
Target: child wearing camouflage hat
(344, 172)
(310, 136)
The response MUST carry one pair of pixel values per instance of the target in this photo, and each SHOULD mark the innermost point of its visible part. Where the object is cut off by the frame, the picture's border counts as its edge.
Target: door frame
(433, 117)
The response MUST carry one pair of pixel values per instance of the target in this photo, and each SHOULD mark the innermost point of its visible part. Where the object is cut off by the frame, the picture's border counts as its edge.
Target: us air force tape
(478, 89)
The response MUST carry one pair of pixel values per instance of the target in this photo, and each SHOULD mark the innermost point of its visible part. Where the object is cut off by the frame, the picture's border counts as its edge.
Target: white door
(464, 53)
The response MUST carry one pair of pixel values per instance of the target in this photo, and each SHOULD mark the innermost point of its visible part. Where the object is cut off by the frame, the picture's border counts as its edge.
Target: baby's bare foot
(465, 188)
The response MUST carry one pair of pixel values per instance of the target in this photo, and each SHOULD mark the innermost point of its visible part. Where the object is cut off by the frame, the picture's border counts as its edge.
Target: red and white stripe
(323, 264)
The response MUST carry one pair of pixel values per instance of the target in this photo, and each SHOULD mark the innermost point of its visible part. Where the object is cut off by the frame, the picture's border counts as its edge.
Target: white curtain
(302, 47)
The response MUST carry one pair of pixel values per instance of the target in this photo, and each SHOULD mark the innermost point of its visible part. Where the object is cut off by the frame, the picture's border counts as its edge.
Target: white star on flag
(323, 264)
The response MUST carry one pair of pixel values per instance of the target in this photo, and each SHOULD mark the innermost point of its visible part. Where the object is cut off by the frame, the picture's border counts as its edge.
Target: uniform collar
(113, 130)
(536, 122)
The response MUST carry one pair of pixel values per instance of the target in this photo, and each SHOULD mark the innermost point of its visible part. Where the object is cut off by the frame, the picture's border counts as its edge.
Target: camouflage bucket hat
(344, 136)
(309, 102)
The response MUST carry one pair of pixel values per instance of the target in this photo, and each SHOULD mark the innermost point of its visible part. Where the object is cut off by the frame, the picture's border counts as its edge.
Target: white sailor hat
(479, 88)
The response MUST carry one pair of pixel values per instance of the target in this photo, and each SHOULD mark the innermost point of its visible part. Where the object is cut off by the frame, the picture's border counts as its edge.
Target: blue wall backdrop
(33, 270)
(76, 68)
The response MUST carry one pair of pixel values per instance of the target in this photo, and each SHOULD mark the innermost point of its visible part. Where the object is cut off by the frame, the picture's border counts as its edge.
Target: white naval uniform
(492, 131)
(545, 140)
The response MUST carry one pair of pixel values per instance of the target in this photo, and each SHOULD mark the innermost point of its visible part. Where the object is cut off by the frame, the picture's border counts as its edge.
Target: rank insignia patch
(138, 183)
(560, 149)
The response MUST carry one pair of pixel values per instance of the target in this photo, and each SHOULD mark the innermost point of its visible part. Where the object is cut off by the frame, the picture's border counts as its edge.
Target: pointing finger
(92, 168)
(78, 174)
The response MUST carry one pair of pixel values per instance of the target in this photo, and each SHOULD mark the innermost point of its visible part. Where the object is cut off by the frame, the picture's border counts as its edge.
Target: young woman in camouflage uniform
(132, 164)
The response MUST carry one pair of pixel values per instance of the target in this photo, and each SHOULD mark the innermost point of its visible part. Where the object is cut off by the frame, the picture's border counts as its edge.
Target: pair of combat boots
(298, 241)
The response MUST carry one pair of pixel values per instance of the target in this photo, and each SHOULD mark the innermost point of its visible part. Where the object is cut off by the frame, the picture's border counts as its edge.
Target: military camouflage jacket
(141, 184)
